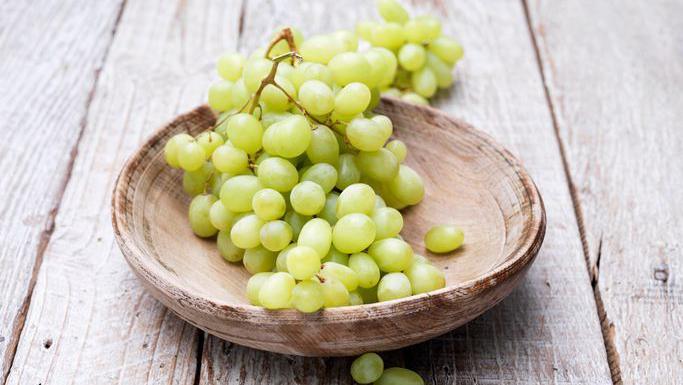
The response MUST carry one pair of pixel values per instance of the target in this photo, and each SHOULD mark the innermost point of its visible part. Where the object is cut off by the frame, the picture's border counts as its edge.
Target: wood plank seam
(46, 234)
(606, 326)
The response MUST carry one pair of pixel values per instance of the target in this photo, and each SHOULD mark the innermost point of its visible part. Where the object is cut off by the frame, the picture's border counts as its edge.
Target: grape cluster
(369, 368)
(425, 57)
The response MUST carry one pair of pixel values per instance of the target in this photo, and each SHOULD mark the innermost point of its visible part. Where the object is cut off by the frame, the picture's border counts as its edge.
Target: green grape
(379, 202)
(220, 217)
(412, 56)
(245, 132)
(379, 165)
(297, 221)
(240, 94)
(282, 47)
(369, 295)
(255, 70)
(367, 134)
(391, 199)
(342, 273)
(229, 66)
(276, 100)
(307, 296)
(388, 222)
(446, 49)
(349, 67)
(278, 174)
(353, 99)
(393, 286)
(238, 192)
(275, 235)
(347, 39)
(191, 156)
(355, 298)
(393, 11)
(441, 70)
(276, 291)
(323, 147)
(407, 186)
(347, 171)
(414, 98)
(268, 204)
(245, 231)
(281, 260)
(417, 258)
(316, 234)
(311, 71)
(220, 95)
(353, 233)
(391, 254)
(375, 96)
(303, 262)
(320, 48)
(364, 29)
(316, 97)
(425, 277)
(329, 212)
(258, 260)
(366, 269)
(195, 182)
(444, 238)
(367, 368)
(399, 376)
(336, 256)
(289, 137)
(228, 158)
(216, 182)
(172, 148)
(356, 198)
(227, 249)
(388, 35)
(384, 65)
(424, 82)
(432, 27)
(199, 215)
(307, 198)
(398, 148)
(254, 286)
(416, 31)
(323, 174)
(334, 292)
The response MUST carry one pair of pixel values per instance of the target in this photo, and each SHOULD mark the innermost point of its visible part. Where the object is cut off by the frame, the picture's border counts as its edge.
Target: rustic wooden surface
(611, 102)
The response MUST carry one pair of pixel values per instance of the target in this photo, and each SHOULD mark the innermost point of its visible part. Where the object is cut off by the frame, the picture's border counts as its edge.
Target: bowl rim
(515, 261)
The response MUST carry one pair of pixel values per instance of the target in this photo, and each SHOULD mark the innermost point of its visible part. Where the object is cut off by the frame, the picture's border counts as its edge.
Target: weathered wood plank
(614, 72)
(548, 330)
(50, 53)
(90, 321)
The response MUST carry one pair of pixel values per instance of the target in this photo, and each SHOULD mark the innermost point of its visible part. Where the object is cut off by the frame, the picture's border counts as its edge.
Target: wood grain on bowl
(470, 181)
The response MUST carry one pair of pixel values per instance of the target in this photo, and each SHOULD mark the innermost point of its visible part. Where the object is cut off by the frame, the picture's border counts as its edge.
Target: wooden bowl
(470, 181)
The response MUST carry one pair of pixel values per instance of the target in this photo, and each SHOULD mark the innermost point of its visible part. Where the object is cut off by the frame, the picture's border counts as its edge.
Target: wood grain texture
(90, 321)
(547, 331)
(614, 73)
(47, 75)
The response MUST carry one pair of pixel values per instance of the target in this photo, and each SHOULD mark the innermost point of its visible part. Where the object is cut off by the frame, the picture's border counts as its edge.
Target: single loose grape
(316, 97)
(199, 215)
(238, 192)
(172, 148)
(349, 67)
(407, 186)
(275, 235)
(447, 49)
(258, 260)
(347, 171)
(325, 175)
(303, 262)
(191, 156)
(307, 296)
(412, 56)
(356, 198)
(353, 233)
(228, 158)
(220, 217)
(245, 132)
(276, 291)
(398, 148)
(393, 11)
(254, 286)
(336, 256)
(388, 222)
(444, 238)
(379, 165)
(393, 286)
(341, 272)
(245, 231)
(227, 249)
(307, 198)
(220, 95)
(229, 66)
(316, 234)
(297, 221)
(367, 368)
(353, 99)
(399, 376)
(334, 292)
(323, 147)
(425, 277)
(278, 174)
(391, 254)
(366, 269)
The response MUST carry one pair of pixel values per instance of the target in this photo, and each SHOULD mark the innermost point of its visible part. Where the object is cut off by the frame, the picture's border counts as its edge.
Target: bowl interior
(469, 181)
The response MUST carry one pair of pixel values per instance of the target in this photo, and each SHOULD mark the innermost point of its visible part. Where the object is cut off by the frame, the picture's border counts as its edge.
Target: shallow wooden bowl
(470, 181)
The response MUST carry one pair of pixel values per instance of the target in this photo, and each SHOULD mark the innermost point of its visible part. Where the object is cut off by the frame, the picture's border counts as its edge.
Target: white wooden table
(587, 93)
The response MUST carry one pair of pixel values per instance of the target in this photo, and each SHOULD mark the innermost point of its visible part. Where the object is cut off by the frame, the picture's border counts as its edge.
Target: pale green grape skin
(245, 231)
(278, 174)
(340, 272)
(353, 99)
(216, 182)
(276, 100)
(173, 146)
(432, 27)
(323, 147)
(307, 296)
(367, 368)
(425, 278)
(311, 71)
(316, 234)
(336, 256)
(270, 117)
(388, 35)
(442, 71)
(407, 186)
(444, 238)
(297, 221)
(393, 286)
(367, 134)
(199, 215)
(348, 40)
(417, 258)
(364, 29)
(424, 82)
(191, 156)
(254, 71)
(398, 148)
(388, 67)
(227, 249)
(195, 182)
(329, 212)
(220, 95)
(227, 158)
(353, 233)
(229, 66)
(388, 222)
(349, 67)
(399, 376)
(220, 217)
(320, 49)
(379, 165)
(276, 291)
(366, 269)
(258, 260)
(245, 132)
(238, 192)
(412, 56)
(391, 254)
(392, 11)
(269, 204)
(281, 260)
(416, 31)
(323, 174)
(334, 292)
(369, 295)
(379, 202)
(412, 97)
(275, 235)
(355, 298)
(347, 171)
(356, 198)
(254, 286)
(307, 198)
(240, 94)
(303, 262)
(316, 97)
(288, 138)
(446, 49)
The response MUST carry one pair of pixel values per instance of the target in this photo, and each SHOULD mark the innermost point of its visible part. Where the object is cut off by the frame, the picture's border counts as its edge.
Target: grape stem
(287, 35)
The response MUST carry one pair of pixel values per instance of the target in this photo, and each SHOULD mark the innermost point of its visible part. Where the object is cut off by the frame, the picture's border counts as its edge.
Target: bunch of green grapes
(426, 58)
